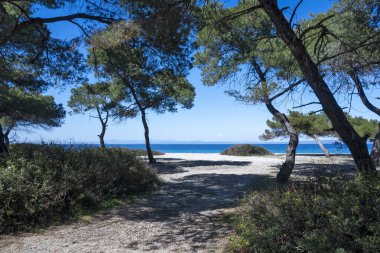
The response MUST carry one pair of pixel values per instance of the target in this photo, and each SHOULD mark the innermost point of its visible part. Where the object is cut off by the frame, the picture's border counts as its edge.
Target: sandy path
(181, 216)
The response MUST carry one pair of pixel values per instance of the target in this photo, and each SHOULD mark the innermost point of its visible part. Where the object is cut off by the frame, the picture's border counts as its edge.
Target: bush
(42, 184)
(246, 150)
(142, 152)
(326, 215)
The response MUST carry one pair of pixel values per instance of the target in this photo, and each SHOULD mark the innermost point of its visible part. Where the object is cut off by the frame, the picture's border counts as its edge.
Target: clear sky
(215, 116)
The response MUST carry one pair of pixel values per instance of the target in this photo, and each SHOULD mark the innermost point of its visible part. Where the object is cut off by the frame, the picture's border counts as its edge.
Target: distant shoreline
(304, 149)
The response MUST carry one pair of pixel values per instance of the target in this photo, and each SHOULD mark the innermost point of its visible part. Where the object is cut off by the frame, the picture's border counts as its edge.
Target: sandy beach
(182, 215)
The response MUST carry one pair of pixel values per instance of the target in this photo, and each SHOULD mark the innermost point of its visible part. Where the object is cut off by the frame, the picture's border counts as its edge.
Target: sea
(276, 148)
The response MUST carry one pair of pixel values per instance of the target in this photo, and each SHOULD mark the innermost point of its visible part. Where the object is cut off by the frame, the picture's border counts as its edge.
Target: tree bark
(290, 159)
(146, 134)
(3, 146)
(359, 86)
(101, 137)
(103, 122)
(354, 142)
(323, 148)
(375, 152)
(6, 138)
(143, 118)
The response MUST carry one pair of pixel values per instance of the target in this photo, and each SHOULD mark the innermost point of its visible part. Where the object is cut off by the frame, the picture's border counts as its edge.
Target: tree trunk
(3, 146)
(354, 142)
(355, 78)
(375, 152)
(103, 122)
(143, 118)
(101, 137)
(146, 134)
(323, 148)
(290, 158)
(287, 167)
(6, 139)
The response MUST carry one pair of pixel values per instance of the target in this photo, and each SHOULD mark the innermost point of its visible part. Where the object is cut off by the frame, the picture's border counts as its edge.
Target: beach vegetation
(246, 150)
(152, 77)
(338, 214)
(23, 111)
(317, 125)
(46, 184)
(233, 49)
(106, 100)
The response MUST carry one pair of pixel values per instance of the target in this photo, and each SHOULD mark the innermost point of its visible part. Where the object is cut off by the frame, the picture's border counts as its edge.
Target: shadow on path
(192, 206)
(171, 166)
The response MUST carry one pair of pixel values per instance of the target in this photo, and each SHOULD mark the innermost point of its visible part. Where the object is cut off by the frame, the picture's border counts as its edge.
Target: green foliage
(26, 109)
(310, 125)
(44, 184)
(142, 152)
(325, 215)
(104, 98)
(246, 150)
(146, 77)
(364, 127)
(31, 58)
(88, 97)
(234, 49)
(317, 125)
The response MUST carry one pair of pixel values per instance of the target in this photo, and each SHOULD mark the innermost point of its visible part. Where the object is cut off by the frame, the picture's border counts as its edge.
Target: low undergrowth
(339, 214)
(246, 150)
(142, 152)
(45, 184)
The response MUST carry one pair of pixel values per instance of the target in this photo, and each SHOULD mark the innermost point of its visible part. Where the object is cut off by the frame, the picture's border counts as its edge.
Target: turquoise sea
(277, 148)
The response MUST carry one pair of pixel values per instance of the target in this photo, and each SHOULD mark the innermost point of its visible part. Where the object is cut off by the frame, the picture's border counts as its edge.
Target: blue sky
(215, 117)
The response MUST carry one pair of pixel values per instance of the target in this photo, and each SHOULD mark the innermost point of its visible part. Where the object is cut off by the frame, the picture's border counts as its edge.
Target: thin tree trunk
(103, 122)
(323, 148)
(355, 143)
(375, 152)
(290, 158)
(3, 146)
(287, 167)
(6, 139)
(355, 78)
(146, 134)
(143, 119)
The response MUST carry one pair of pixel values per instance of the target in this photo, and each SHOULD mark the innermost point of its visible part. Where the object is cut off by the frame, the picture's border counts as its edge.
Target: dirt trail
(183, 215)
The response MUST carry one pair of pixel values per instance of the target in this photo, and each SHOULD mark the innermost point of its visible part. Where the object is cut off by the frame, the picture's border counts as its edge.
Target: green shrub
(142, 152)
(43, 184)
(246, 150)
(324, 215)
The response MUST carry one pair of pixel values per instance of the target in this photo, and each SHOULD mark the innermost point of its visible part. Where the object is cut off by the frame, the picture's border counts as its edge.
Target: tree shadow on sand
(192, 206)
(172, 166)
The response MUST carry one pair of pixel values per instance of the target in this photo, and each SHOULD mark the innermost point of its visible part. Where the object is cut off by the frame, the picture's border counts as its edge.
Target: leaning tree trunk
(375, 152)
(355, 78)
(355, 143)
(3, 146)
(321, 146)
(290, 159)
(146, 134)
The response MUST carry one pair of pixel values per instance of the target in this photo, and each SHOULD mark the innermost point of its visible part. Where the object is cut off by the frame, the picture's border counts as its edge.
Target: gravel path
(183, 215)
